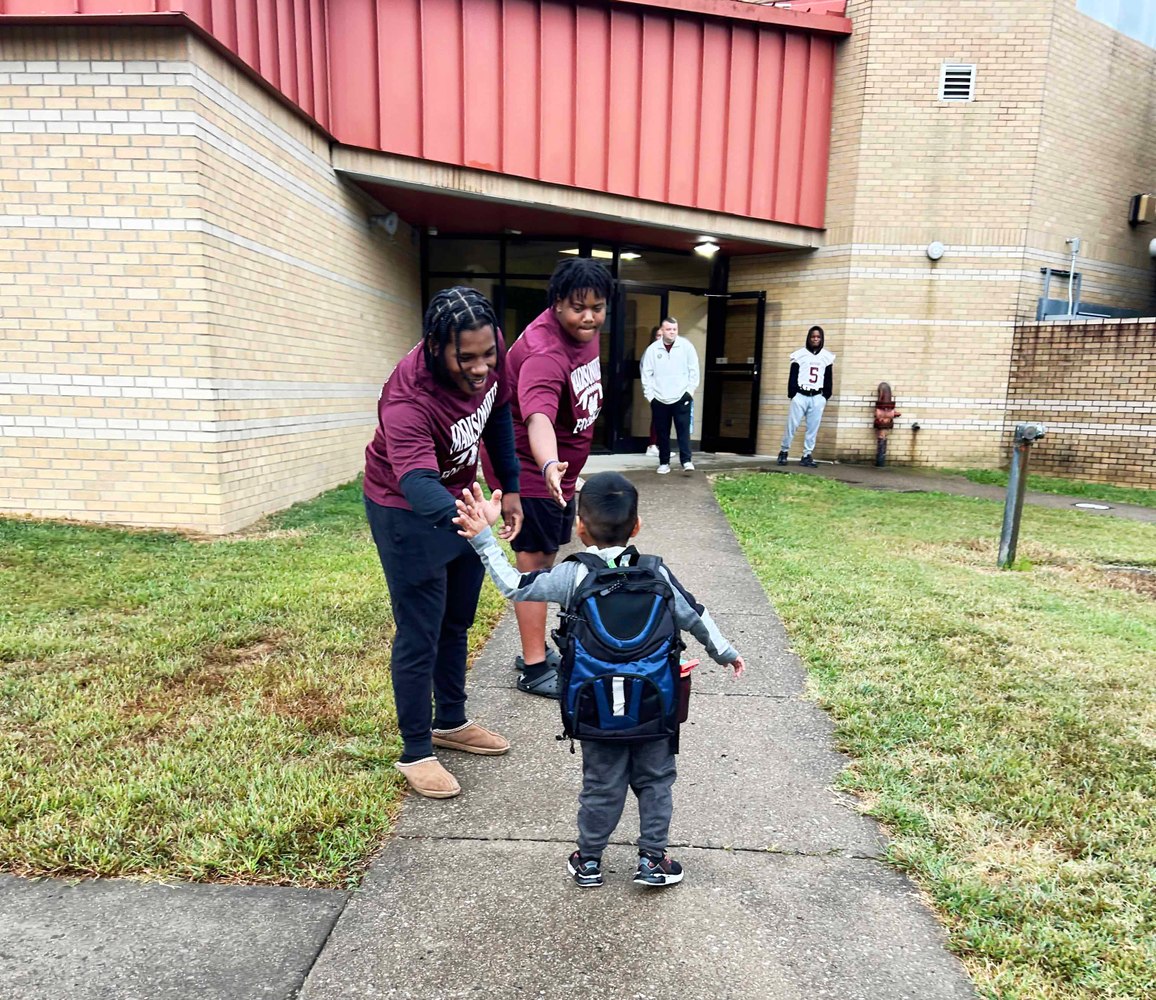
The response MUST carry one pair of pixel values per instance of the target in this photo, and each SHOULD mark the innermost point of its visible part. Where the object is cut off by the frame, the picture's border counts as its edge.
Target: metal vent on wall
(957, 82)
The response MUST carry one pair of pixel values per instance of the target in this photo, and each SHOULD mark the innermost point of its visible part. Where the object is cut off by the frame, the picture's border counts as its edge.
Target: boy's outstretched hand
(738, 666)
(476, 513)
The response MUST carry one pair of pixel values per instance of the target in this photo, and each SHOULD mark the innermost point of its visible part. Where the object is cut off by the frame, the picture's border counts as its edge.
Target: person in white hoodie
(669, 379)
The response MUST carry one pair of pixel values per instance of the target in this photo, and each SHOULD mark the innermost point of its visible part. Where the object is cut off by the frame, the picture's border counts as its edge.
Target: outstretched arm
(475, 517)
(695, 619)
(544, 448)
(499, 438)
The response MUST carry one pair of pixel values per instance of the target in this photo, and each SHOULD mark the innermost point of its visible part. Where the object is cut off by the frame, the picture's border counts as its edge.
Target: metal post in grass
(1017, 479)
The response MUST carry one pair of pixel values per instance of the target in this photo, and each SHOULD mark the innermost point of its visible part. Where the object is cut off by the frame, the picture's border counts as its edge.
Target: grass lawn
(1065, 487)
(209, 709)
(1002, 724)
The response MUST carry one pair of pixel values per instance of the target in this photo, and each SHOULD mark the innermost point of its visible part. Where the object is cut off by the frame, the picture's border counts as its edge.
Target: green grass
(203, 709)
(1065, 487)
(1002, 725)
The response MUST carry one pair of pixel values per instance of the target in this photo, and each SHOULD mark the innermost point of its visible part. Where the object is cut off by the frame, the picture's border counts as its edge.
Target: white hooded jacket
(669, 375)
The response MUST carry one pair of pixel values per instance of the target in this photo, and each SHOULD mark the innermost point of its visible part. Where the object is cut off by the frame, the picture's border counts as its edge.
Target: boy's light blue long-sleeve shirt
(559, 583)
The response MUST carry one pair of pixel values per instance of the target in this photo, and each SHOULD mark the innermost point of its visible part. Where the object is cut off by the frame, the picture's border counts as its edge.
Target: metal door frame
(715, 375)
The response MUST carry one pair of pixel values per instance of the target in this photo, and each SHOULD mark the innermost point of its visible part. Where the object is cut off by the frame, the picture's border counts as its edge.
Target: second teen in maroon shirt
(557, 395)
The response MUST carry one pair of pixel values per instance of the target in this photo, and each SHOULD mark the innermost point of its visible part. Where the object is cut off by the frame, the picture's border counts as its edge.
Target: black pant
(663, 413)
(434, 578)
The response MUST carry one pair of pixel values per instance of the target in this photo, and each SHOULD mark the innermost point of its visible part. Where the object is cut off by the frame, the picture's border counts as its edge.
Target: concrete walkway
(785, 894)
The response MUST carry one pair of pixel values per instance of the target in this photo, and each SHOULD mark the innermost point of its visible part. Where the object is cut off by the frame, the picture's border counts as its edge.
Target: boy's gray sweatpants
(608, 769)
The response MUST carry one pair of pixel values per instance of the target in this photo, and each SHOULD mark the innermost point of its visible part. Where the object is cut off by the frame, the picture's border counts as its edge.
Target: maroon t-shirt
(423, 424)
(552, 373)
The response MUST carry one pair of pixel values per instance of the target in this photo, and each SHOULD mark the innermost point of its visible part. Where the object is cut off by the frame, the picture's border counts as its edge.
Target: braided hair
(577, 274)
(451, 311)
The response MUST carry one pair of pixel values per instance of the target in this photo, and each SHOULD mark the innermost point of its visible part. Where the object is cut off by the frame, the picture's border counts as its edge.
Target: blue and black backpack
(620, 645)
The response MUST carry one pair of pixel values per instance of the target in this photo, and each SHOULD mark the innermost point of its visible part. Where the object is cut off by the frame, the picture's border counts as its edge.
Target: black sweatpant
(434, 578)
(679, 412)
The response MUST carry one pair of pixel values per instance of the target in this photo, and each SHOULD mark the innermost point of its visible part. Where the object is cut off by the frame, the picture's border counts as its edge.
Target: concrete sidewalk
(785, 896)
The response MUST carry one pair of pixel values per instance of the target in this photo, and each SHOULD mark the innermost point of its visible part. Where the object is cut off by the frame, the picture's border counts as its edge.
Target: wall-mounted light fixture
(388, 222)
(935, 250)
(707, 248)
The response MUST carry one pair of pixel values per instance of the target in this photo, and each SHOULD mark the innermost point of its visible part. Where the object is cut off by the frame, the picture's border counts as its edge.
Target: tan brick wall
(1097, 147)
(982, 177)
(197, 317)
(308, 301)
(1094, 384)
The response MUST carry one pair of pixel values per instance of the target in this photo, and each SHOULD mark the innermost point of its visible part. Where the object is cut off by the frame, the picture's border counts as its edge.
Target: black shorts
(546, 527)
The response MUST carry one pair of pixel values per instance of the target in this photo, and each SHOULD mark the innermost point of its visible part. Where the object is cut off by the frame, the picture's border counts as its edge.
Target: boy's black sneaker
(657, 871)
(587, 872)
(809, 462)
(782, 459)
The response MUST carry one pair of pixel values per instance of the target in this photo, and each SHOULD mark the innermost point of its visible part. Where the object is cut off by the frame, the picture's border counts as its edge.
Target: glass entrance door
(638, 310)
(731, 377)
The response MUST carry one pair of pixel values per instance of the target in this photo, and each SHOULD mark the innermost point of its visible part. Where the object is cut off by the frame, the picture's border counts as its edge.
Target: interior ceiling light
(708, 248)
(605, 254)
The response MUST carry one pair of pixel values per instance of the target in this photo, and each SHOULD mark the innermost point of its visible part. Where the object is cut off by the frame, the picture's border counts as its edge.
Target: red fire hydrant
(885, 414)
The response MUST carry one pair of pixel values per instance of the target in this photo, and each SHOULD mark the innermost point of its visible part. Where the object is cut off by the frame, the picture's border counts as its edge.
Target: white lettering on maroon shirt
(587, 385)
(465, 434)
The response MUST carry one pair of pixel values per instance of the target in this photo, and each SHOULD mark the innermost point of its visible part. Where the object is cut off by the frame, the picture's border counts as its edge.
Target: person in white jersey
(808, 388)
(669, 379)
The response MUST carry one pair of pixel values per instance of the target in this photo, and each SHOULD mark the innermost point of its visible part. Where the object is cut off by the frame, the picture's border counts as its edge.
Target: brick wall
(196, 315)
(1057, 138)
(1094, 384)
(1097, 147)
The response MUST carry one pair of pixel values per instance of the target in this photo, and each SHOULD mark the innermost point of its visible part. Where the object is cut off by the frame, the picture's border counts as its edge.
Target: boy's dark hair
(577, 274)
(451, 311)
(608, 506)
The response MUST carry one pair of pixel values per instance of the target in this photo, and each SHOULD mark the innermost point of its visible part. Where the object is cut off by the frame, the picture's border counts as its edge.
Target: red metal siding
(669, 102)
(667, 105)
(283, 41)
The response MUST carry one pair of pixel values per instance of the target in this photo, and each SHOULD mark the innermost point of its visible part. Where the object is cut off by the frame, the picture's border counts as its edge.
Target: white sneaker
(662, 470)
(652, 451)
(688, 466)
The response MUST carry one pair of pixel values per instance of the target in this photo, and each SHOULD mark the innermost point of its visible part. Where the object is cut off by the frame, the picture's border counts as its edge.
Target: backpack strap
(591, 561)
(652, 563)
(587, 559)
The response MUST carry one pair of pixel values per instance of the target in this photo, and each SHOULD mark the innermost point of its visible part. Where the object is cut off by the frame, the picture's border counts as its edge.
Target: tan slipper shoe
(427, 777)
(471, 738)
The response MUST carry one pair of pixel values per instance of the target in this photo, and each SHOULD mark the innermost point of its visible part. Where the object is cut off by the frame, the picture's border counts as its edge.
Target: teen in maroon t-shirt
(557, 394)
(442, 400)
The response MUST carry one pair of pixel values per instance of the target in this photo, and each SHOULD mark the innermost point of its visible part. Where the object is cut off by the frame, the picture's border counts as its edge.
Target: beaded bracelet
(552, 461)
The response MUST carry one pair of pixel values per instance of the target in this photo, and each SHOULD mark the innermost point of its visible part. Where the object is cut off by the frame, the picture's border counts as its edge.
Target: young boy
(607, 520)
